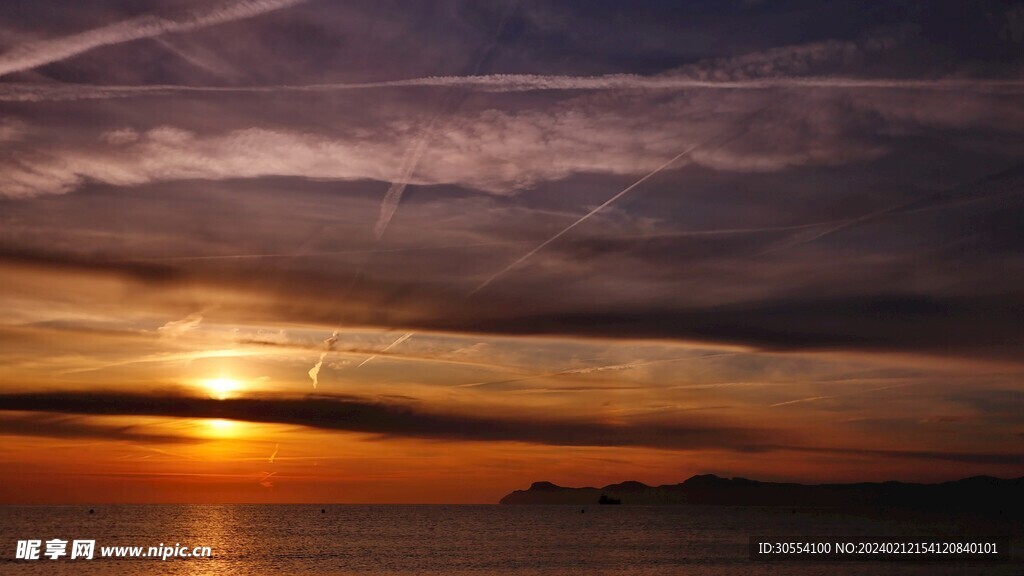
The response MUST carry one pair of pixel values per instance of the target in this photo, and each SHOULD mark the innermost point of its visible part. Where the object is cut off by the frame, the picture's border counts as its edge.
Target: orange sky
(807, 417)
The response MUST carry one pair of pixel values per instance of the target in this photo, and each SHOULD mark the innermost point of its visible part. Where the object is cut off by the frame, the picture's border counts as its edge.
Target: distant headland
(978, 492)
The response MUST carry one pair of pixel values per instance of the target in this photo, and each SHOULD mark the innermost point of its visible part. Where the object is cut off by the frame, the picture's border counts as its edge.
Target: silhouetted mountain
(979, 492)
(628, 486)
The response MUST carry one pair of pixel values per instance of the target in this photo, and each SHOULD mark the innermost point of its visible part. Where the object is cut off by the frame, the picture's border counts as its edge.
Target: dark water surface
(464, 540)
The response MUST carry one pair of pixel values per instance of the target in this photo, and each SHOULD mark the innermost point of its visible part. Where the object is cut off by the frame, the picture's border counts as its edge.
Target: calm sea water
(470, 540)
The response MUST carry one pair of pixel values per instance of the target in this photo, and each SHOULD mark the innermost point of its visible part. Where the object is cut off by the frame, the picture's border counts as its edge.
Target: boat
(605, 499)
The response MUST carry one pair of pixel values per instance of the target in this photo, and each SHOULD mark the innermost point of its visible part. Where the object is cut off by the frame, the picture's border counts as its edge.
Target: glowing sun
(221, 388)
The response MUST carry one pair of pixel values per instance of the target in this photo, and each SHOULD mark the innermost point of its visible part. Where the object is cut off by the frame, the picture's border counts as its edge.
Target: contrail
(394, 194)
(586, 216)
(537, 82)
(389, 205)
(400, 339)
(217, 68)
(920, 202)
(265, 480)
(592, 369)
(39, 53)
(412, 159)
(314, 372)
(274, 455)
(355, 252)
(292, 255)
(24, 92)
(816, 398)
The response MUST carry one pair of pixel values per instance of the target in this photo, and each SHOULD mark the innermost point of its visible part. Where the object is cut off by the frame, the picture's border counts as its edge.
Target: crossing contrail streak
(930, 200)
(532, 82)
(22, 92)
(389, 205)
(604, 205)
(42, 52)
(412, 159)
(581, 220)
(400, 339)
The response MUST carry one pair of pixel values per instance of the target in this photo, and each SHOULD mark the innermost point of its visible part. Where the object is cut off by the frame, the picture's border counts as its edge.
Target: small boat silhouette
(605, 499)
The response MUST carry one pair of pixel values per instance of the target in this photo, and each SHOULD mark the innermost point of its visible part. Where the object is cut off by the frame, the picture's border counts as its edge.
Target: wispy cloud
(493, 152)
(647, 118)
(39, 53)
(65, 427)
(176, 328)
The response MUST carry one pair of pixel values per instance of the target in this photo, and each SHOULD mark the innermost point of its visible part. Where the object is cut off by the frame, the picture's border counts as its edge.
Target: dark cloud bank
(410, 421)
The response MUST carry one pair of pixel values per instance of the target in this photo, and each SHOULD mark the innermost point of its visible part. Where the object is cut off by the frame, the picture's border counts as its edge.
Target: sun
(221, 388)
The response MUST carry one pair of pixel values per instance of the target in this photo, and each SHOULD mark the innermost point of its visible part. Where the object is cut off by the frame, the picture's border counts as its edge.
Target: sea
(369, 540)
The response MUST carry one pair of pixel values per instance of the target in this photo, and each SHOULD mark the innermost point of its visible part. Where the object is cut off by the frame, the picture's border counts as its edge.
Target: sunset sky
(333, 251)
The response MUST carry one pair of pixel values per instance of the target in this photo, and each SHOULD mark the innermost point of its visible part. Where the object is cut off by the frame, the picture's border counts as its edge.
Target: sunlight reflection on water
(458, 540)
